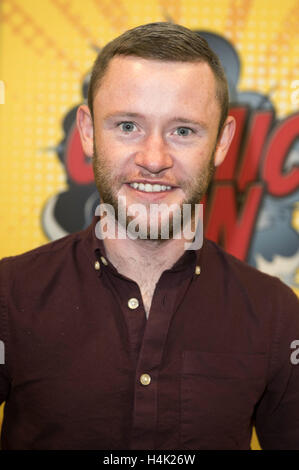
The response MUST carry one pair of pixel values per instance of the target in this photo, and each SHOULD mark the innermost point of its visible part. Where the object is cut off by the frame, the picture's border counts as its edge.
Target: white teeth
(148, 188)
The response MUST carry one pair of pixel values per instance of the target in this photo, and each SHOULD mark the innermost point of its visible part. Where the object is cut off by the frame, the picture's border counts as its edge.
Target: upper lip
(162, 183)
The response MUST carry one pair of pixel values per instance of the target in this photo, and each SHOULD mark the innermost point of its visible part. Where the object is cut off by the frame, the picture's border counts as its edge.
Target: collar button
(97, 266)
(197, 270)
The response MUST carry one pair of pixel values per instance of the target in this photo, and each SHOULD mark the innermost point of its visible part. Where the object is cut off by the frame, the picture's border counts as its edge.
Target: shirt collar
(96, 250)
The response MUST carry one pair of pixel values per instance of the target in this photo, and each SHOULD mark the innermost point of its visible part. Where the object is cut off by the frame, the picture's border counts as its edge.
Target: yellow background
(47, 48)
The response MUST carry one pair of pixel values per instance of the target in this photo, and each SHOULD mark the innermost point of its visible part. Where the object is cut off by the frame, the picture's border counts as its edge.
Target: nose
(153, 155)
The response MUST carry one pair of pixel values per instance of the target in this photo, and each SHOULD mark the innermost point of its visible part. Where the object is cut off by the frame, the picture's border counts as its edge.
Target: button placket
(150, 357)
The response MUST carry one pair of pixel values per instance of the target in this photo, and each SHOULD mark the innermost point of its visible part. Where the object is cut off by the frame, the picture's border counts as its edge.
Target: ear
(85, 127)
(224, 141)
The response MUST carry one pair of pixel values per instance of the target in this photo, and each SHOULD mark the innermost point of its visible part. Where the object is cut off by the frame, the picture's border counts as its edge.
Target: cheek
(107, 154)
(104, 146)
(191, 162)
(112, 150)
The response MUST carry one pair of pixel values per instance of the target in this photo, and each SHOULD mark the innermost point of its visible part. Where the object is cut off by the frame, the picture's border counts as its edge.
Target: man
(139, 343)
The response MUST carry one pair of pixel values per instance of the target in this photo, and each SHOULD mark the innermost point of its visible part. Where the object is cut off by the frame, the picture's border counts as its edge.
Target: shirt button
(145, 379)
(197, 270)
(104, 261)
(97, 265)
(133, 303)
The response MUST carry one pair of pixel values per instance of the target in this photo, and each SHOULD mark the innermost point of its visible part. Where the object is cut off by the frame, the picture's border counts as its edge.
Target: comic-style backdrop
(46, 182)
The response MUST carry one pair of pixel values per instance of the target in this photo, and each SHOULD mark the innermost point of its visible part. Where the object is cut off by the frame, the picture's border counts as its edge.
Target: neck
(132, 257)
(143, 261)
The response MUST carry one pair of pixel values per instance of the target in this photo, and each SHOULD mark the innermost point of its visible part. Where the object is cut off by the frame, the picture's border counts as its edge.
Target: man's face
(154, 132)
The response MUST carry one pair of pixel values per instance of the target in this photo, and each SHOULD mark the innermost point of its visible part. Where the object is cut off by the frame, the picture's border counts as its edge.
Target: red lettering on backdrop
(224, 224)
(78, 167)
(280, 183)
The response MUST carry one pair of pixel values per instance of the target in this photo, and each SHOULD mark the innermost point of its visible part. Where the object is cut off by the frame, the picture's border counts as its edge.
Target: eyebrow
(201, 124)
(119, 114)
(177, 119)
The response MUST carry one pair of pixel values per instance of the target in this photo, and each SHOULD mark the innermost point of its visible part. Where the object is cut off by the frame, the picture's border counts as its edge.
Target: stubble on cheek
(196, 187)
(105, 178)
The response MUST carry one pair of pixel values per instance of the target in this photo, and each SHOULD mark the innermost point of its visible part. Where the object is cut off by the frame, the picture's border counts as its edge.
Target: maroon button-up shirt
(216, 348)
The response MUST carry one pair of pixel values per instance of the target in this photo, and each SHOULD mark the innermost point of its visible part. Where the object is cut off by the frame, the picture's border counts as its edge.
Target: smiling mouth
(150, 188)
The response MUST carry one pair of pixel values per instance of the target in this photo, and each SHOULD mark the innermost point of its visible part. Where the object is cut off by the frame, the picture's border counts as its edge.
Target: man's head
(166, 42)
(157, 123)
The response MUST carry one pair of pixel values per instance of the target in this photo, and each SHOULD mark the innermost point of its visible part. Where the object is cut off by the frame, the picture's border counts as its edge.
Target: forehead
(132, 82)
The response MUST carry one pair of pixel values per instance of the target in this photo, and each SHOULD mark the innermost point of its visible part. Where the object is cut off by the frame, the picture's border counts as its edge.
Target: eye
(127, 126)
(183, 131)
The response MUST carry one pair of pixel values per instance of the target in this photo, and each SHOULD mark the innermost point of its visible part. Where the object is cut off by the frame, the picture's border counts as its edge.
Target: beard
(108, 182)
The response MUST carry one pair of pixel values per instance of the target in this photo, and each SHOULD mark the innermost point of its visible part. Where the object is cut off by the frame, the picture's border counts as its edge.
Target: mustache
(109, 185)
(102, 170)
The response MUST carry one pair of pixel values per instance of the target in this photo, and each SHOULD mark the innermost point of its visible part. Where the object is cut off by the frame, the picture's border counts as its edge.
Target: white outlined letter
(294, 358)
(2, 353)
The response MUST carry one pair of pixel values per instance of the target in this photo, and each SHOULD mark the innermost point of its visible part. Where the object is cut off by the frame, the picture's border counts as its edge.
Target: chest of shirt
(92, 353)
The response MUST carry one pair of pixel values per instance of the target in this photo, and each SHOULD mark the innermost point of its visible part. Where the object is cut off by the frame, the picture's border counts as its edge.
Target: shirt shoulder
(249, 279)
(33, 264)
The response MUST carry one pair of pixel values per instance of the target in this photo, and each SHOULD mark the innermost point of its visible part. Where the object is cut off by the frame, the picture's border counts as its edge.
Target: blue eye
(127, 126)
(183, 131)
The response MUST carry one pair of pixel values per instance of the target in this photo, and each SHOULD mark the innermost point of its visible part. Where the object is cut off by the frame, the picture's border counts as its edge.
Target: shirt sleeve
(4, 375)
(277, 413)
